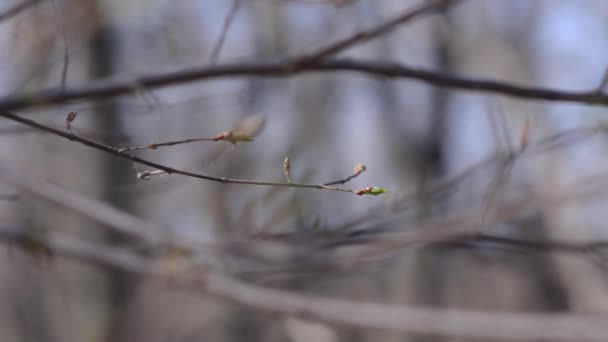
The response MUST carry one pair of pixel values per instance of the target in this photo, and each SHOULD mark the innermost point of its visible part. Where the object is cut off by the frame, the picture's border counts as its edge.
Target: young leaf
(371, 190)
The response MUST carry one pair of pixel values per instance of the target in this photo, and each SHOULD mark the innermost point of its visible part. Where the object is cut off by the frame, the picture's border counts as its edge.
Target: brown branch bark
(112, 87)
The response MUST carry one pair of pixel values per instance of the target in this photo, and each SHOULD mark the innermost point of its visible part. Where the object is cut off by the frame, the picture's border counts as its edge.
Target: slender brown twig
(112, 88)
(153, 146)
(358, 169)
(170, 170)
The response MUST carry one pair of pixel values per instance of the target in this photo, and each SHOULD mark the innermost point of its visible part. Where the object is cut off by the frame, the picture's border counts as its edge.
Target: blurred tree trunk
(115, 172)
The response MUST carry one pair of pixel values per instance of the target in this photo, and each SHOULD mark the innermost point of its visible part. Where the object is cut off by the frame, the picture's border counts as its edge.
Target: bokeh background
(409, 135)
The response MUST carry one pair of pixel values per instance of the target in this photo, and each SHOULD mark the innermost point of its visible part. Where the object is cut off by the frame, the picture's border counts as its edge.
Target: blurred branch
(436, 321)
(227, 21)
(111, 88)
(441, 322)
(427, 7)
(119, 221)
(16, 9)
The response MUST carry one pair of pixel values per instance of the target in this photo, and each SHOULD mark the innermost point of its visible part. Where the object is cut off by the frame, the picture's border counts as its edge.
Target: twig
(153, 146)
(15, 10)
(170, 170)
(226, 25)
(426, 7)
(359, 169)
(112, 88)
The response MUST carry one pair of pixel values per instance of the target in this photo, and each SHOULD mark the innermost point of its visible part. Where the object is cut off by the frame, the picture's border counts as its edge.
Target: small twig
(359, 169)
(426, 7)
(13, 11)
(154, 146)
(224, 32)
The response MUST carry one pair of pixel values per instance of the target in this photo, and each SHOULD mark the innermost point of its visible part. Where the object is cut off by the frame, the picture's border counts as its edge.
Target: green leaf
(377, 191)
(371, 190)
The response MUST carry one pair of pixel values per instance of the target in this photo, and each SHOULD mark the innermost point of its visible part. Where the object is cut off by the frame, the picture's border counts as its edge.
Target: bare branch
(154, 146)
(170, 170)
(426, 7)
(111, 88)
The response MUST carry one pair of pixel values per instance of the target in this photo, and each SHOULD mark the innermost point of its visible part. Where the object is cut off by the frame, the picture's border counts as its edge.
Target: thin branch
(224, 32)
(170, 170)
(359, 169)
(154, 146)
(16, 9)
(112, 88)
(427, 7)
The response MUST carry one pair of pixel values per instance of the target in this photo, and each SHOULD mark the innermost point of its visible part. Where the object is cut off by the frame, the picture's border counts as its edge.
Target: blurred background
(414, 138)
